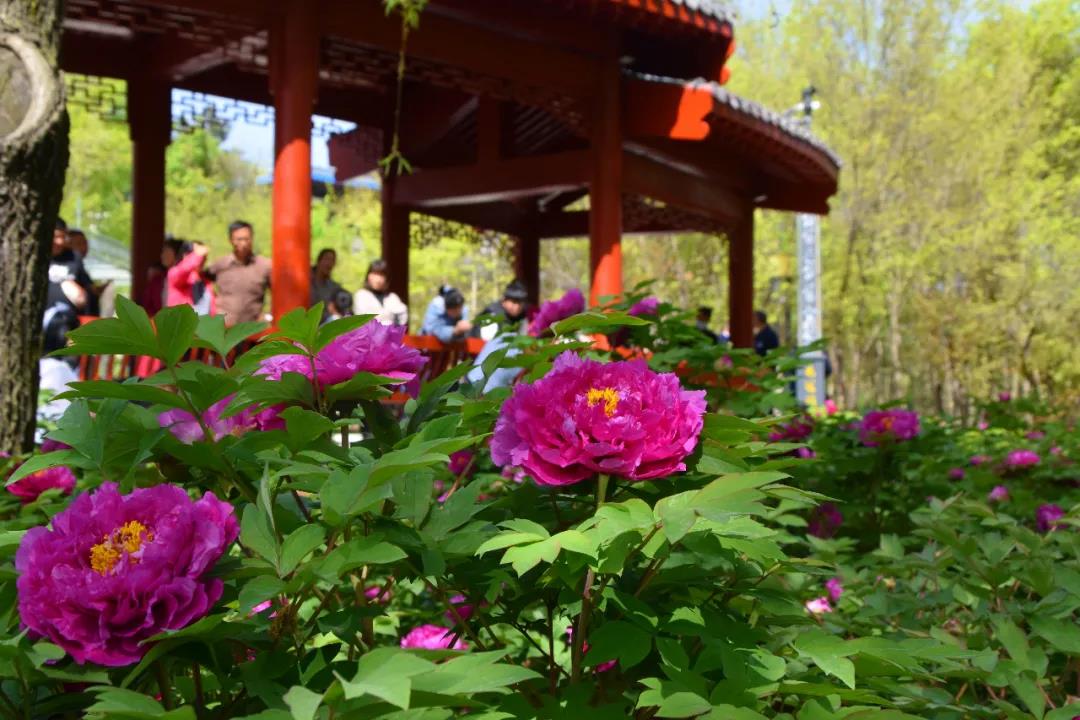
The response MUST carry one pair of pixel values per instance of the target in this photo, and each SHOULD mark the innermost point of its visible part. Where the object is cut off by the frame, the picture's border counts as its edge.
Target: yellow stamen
(129, 538)
(608, 396)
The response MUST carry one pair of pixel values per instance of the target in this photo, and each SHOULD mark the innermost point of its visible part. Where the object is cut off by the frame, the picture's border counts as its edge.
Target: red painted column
(741, 281)
(395, 243)
(527, 264)
(605, 188)
(294, 65)
(150, 127)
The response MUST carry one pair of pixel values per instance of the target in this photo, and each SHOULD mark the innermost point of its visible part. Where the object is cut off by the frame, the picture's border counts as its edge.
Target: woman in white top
(375, 298)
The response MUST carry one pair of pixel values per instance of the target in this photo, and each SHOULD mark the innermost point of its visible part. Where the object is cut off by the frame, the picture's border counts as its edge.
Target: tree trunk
(33, 159)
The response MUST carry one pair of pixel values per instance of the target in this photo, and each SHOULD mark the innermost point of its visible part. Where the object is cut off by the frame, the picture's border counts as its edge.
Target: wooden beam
(651, 174)
(562, 224)
(485, 51)
(606, 183)
(504, 180)
(489, 131)
(667, 110)
(741, 281)
(501, 217)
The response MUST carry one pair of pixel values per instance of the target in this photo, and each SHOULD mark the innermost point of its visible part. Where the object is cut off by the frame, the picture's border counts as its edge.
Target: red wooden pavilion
(512, 112)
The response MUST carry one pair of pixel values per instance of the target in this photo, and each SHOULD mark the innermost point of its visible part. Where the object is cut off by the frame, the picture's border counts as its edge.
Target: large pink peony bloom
(373, 348)
(551, 312)
(585, 417)
(30, 487)
(888, 426)
(1018, 459)
(432, 637)
(1046, 517)
(818, 606)
(999, 493)
(117, 569)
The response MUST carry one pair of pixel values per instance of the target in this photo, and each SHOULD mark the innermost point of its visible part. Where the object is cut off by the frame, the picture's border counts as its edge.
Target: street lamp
(810, 385)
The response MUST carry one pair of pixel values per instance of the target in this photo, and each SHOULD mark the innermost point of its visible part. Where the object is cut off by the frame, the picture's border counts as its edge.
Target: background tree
(33, 155)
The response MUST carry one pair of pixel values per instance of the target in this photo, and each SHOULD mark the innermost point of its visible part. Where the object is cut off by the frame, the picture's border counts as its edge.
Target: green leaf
(130, 390)
(1028, 691)
(829, 653)
(257, 535)
(303, 426)
(211, 333)
(1065, 636)
(386, 673)
(175, 328)
(257, 590)
(597, 322)
(300, 542)
(361, 386)
(116, 702)
(303, 702)
(45, 460)
(470, 674)
(359, 551)
(301, 326)
(620, 641)
(1013, 640)
(129, 333)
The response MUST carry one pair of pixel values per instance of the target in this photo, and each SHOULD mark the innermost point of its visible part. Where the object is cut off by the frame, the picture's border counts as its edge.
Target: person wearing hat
(508, 313)
(376, 298)
(511, 314)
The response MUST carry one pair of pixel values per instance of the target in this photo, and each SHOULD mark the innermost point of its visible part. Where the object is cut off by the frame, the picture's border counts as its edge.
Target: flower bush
(606, 538)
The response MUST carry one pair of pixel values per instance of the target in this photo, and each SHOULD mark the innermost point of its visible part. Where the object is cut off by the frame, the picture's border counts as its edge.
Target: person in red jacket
(184, 280)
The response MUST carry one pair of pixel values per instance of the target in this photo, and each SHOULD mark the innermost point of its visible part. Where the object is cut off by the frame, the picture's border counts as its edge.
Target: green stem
(578, 648)
(163, 685)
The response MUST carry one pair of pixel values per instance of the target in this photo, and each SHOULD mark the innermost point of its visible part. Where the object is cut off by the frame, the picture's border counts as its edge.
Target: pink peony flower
(374, 348)
(647, 306)
(50, 445)
(888, 426)
(551, 312)
(805, 453)
(1035, 435)
(432, 637)
(260, 608)
(795, 431)
(117, 569)
(979, 459)
(818, 606)
(983, 425)
(1004, 397)
(999, 493)
(835, 589)
(185, 427)
(1018, 459)
(377, 594)
(462, 607)
(460, 461)
(585, 417)
(30, 487)
(516, 475)
(825, 520)
(1046, 517)
(830, 406)
(956, 473)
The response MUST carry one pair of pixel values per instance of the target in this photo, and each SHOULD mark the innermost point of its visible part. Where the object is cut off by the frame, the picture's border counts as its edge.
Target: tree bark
(33, 159)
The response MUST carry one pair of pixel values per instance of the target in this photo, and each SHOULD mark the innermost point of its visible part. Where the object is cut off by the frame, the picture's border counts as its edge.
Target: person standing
(447, 316)
(69, 285)
(376, 298)
(242, 278)
(765, 338)
(184, 281)
(323, 286)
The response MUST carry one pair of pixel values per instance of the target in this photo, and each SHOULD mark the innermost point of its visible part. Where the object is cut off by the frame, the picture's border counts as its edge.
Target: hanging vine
(395, 163)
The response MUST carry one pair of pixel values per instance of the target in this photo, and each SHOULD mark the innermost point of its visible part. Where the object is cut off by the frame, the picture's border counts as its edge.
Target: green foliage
(685, 595)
